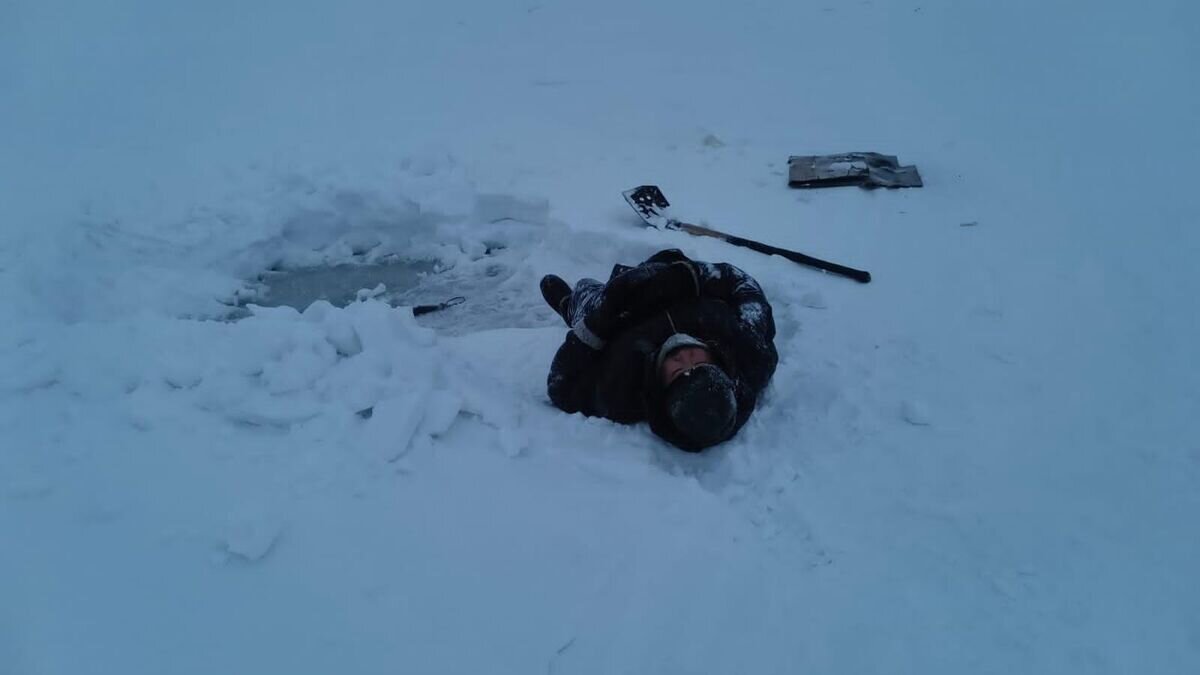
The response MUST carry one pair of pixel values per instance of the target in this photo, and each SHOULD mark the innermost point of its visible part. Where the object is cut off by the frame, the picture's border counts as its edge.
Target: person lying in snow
(686, 345)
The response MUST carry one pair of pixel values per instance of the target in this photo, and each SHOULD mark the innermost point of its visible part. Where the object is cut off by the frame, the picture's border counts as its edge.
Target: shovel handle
(861, 276)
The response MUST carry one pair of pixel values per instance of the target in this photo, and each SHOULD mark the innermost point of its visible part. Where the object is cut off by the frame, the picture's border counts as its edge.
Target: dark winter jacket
(721, 305)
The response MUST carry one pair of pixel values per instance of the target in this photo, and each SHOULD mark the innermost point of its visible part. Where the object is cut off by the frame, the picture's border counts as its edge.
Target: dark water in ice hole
(339, 284)
(494, 299)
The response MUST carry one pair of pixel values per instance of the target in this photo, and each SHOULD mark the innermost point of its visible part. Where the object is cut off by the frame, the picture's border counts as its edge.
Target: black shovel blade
(650, 204)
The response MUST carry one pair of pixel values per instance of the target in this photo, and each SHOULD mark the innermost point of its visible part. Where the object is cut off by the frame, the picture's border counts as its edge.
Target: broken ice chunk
(368, 293)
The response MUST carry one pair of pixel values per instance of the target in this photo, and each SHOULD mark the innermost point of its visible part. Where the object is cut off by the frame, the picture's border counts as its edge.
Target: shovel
(651, 205)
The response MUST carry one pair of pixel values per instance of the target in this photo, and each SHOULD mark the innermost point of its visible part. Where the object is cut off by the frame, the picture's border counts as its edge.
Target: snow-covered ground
(986, 461)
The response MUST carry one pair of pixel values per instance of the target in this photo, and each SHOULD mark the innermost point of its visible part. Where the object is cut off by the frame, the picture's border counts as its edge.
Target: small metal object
(426, 309)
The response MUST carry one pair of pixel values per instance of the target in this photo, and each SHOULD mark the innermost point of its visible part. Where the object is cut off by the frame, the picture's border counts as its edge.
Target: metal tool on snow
(651, 205)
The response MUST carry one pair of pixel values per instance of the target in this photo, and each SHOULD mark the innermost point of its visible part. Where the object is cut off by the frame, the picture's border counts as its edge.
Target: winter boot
(556, 292)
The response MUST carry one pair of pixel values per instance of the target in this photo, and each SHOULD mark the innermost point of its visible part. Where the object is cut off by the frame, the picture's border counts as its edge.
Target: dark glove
(637, 293)
(653, 287)
(668, 255)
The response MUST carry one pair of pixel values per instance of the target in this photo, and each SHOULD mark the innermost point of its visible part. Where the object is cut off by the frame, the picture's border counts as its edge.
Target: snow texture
(985, 461)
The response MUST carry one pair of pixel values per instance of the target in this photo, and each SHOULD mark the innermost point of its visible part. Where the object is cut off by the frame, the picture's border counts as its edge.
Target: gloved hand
(639, 292)
(653, 287)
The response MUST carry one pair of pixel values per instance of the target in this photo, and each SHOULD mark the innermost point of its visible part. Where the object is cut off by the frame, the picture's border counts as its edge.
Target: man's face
(682, 360)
